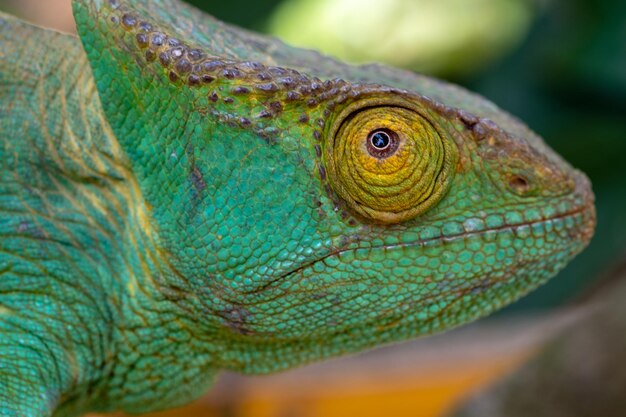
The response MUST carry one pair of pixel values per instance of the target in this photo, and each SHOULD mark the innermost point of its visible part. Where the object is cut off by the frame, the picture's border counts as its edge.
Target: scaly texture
(179, 197)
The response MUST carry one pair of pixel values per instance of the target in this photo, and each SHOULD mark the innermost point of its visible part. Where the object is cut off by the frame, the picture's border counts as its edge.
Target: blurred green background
(559, 65)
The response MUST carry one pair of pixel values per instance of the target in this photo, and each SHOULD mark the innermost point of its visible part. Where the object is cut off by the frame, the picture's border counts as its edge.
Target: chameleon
(179, 197)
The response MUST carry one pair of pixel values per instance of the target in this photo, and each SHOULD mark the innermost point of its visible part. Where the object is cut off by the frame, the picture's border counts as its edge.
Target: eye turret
(389, 163)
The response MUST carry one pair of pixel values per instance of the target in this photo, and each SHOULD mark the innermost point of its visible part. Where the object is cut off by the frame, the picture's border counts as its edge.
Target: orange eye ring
(389, 163)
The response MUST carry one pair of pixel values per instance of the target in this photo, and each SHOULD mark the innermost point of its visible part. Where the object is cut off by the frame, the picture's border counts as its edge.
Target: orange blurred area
(426, 395)
(56, 14)
(423, 378)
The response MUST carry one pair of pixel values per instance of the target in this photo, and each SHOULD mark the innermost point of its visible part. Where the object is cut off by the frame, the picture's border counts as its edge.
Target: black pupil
(380, 140)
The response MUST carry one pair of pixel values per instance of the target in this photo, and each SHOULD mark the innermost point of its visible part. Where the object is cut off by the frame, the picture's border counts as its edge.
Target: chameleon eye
(382, 143)
(388, 163)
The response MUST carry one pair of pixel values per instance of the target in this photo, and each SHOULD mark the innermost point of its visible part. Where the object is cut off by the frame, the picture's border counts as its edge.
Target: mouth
(579, 222)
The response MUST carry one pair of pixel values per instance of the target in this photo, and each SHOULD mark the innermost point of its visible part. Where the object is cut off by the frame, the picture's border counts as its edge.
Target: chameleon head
(432, 217)
(313, 208)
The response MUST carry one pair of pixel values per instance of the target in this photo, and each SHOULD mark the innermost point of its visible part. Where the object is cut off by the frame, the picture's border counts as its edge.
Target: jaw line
(425, 242)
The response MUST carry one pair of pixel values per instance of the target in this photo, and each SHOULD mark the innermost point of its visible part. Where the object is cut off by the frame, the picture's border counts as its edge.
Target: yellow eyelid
(388, 188)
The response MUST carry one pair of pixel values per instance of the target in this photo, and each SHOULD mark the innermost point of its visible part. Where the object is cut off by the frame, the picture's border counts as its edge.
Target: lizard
(179, 197)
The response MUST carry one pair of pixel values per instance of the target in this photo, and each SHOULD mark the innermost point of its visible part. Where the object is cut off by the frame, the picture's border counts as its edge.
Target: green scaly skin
(172, 209)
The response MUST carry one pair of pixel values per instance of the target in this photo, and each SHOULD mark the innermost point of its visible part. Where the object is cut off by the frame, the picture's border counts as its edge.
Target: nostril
(519, 184)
